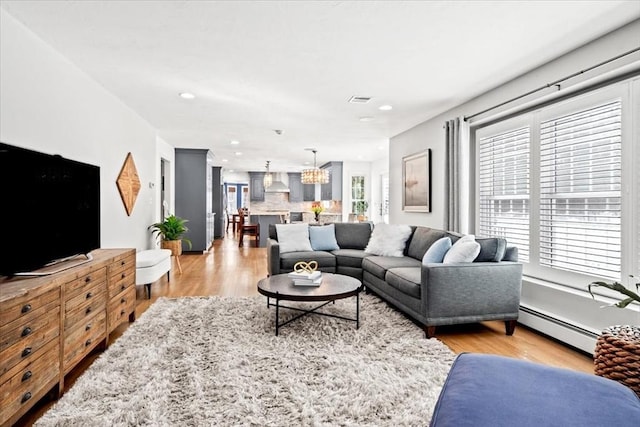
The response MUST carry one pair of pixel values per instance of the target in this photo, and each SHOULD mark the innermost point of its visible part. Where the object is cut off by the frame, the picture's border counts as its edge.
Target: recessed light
(234, 142)
(187, 95)
(366, 119)
(238, 153)
(231, 170)
(385, 107)
(225, 160)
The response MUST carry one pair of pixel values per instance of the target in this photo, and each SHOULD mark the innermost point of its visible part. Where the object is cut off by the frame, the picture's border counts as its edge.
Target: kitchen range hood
(277, 186)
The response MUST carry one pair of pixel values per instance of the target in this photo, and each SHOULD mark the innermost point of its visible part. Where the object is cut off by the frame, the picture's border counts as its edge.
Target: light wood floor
(228, 270)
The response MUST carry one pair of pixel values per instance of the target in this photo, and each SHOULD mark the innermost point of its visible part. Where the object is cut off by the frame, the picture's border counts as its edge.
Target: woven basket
(617, 355)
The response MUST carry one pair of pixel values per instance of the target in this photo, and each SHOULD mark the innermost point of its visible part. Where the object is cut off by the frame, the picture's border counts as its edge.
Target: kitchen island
(266, 218)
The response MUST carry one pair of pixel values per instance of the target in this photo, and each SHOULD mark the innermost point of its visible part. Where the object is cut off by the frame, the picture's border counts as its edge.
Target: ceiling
(260, 66)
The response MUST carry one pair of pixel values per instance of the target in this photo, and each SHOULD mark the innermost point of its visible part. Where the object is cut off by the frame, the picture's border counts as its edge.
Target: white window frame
(630, 238)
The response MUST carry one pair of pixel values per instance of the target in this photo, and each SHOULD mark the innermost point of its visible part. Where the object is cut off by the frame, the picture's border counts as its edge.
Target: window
(504, 188)
(358, 203)
(551, 182)
(580, 200)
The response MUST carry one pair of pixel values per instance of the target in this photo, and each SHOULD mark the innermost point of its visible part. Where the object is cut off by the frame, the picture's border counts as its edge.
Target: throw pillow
(388, 240)
(293, 237)
(437, 251)
(323, 238)
(465, 249)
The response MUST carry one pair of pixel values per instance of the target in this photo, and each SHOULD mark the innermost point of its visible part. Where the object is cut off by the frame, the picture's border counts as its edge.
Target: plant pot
(174, 245)
(362, 218)
(617, 355)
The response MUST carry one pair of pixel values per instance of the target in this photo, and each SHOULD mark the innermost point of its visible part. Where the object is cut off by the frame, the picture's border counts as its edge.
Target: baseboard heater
(566, 332)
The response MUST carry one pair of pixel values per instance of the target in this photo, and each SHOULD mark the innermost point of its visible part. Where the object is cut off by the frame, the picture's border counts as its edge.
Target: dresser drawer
(81, 312)
(24, 306)
(90, 291)
(121, 282)
(29, 380)
(28, 347)
(121, 306)
(83, 338)
(83, 283)
(33, 323)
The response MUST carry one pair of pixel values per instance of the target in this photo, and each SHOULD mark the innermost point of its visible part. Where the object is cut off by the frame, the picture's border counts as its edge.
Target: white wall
(577, 307)
(49, 105)
(378, 168)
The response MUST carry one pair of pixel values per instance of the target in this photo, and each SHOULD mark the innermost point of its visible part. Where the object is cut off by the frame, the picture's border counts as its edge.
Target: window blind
(504, 188)
(580, 191)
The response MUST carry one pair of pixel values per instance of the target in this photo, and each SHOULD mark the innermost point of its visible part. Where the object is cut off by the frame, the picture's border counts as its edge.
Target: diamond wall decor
(128, 184)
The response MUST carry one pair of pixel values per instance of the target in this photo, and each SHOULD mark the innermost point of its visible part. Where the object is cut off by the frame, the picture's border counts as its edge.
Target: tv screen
(50, 209)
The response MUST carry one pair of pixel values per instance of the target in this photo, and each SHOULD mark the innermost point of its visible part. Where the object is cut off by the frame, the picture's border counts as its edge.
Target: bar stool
(247, 228)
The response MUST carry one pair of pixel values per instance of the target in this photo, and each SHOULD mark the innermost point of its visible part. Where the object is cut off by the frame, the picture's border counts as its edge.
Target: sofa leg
(429, 331)
(510, 326)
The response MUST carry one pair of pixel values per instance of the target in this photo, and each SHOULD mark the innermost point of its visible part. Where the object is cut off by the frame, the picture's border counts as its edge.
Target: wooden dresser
(49, 324)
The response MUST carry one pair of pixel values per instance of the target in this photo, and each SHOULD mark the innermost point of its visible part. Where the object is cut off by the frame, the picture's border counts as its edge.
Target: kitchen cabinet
(216, 216)
(333, 189)
(308, 192)
(295, 187)
(256, 186)
(194, 196)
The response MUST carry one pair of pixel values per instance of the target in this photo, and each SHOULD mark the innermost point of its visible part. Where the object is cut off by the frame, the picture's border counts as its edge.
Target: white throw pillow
(466, 249)
(293, 237)
(388, 239)
(437, 251)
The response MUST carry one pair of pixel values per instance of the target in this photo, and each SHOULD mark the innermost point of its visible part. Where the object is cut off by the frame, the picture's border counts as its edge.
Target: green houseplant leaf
(618, 287)
(172, 228)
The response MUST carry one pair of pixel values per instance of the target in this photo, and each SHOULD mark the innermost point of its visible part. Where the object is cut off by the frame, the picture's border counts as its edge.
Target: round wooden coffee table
(333, 287)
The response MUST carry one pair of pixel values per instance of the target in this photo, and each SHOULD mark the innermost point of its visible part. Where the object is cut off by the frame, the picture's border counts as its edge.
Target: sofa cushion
(491, 249)
(437, 251)
(388, 240)
(466, 249)
(351, 235)
(323, 238)
(421, 241)
(324, 259)
(405, 279)
(293, 237)
(378, 265)
(349, 257)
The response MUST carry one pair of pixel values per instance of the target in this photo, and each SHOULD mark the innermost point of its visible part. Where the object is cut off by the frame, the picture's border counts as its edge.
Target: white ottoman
(151, 265)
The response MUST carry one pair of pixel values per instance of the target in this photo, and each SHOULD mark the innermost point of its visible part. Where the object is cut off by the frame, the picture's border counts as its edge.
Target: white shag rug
(216, 361)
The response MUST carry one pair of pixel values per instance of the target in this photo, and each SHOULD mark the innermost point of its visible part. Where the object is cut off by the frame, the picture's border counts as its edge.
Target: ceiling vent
(359, 99)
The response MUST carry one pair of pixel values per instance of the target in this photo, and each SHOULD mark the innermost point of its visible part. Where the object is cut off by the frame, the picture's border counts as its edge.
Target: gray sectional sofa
(432, 294)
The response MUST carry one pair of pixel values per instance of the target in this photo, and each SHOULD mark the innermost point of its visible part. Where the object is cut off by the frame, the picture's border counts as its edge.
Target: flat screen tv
(50, 209)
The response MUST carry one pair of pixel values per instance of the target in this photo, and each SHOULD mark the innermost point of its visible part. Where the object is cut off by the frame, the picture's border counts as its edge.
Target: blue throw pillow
(323, 237)
(437, 251)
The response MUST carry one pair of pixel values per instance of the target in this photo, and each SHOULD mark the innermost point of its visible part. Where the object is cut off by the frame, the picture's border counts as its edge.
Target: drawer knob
(122, 313)
(89, 295)
(26, 331)
(87, 279)
(88, 343)
(123, 275)
(123, 287)
(26, 308)
(26, 376)
(88, 310)
(122, 263)
(123, 300)
(86, 328)
(26, 397)
(26, 352)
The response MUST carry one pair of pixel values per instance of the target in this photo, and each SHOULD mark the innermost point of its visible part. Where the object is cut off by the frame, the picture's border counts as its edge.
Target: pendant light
(268, 178)
(315, 175)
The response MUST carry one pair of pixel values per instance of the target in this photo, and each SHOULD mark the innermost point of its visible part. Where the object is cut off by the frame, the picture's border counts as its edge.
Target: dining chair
(247, 228)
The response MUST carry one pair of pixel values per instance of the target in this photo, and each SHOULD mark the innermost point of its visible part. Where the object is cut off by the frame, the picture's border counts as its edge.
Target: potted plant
(361, 209)
(171, 232)
(617, 353)
(316, 208)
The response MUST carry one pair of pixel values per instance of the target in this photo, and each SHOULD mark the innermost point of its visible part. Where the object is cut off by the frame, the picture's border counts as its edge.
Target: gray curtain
(453, 135)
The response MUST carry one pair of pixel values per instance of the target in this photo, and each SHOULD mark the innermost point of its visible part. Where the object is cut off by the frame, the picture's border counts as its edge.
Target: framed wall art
(416, 179)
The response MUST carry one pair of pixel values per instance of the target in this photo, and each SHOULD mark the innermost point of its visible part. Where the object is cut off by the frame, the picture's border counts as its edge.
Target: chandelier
(268, 178)
(315, 175)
